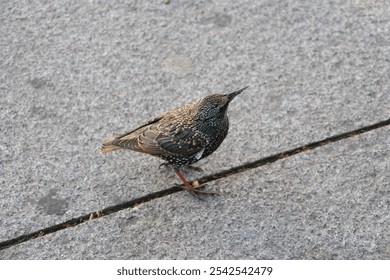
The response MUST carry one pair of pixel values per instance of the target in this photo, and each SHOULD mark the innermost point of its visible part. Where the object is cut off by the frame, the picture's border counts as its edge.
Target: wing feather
(160, 136)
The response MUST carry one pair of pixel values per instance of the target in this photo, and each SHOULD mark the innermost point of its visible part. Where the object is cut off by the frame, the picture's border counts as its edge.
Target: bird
(181, 136)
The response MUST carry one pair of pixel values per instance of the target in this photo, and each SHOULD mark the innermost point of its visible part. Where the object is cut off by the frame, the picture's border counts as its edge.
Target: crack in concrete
(225, 173)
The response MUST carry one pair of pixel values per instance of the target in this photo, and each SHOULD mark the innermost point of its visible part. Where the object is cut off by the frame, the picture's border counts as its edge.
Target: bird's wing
(182, 141)
(155, 138)
(141, 139)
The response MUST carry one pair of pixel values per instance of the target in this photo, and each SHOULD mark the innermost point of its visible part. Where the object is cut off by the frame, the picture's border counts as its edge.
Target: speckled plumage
(180, 136)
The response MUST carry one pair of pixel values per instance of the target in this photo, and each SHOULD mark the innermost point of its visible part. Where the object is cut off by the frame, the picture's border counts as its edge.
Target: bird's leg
(190, 188)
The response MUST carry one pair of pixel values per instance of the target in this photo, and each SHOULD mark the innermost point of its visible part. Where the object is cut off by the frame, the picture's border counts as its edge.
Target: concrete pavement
(75, 73)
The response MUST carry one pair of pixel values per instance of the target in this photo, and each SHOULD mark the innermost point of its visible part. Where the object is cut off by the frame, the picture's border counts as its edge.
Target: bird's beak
(235, 93)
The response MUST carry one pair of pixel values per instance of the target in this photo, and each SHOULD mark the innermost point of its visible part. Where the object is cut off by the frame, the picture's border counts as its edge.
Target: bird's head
(215, 106)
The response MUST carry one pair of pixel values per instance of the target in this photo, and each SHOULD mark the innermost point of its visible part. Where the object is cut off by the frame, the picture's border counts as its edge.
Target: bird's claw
(194, 190)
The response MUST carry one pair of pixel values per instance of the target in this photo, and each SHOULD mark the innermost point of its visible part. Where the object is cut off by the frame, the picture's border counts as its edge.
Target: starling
(181, 136)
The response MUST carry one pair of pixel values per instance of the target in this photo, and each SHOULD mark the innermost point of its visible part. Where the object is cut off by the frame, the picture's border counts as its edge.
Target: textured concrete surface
(76, 72)
(329, 203)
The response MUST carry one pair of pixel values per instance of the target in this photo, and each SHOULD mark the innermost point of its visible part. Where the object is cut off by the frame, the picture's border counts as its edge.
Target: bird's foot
(196, 185)
(194, 189)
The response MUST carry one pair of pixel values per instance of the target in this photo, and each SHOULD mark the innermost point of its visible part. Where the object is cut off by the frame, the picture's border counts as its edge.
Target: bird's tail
(108, 146)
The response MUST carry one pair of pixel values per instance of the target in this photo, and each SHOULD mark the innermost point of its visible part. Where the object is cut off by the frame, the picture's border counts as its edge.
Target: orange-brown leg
(191, 188)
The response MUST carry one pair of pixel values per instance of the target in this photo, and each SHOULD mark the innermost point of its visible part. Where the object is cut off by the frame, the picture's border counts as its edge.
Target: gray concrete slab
(75, 73)
(328, 203)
